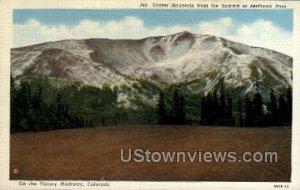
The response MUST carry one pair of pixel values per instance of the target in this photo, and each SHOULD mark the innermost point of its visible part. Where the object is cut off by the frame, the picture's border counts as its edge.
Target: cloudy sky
(264, 28)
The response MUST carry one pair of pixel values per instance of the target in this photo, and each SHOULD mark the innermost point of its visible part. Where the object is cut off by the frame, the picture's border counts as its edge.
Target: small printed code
(281, 186)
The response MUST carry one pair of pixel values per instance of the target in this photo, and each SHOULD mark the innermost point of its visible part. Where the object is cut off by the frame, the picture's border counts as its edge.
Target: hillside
(201, 61)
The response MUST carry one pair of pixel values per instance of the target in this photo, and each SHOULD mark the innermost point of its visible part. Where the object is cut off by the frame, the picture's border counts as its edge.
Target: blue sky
(268, 28)
(283, 18)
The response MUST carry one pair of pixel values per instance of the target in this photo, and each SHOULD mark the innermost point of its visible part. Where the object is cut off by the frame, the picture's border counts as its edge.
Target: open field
(94, 153)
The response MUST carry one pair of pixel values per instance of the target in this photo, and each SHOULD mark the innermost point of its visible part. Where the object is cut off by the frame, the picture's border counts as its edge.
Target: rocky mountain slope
(198, 61)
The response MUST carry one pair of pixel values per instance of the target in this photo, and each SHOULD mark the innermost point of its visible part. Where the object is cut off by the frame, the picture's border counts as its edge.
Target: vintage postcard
(183, 94)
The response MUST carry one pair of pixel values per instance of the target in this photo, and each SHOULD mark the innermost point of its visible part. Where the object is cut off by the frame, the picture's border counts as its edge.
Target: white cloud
(260, 32)
(221, 27)
(265, 34)
(33, 31)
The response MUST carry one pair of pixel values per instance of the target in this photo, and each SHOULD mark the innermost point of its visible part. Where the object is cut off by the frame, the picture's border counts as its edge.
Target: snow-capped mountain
(165, 60)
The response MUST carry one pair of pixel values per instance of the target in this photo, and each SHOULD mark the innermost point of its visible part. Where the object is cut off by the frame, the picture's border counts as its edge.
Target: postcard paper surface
(149, 94)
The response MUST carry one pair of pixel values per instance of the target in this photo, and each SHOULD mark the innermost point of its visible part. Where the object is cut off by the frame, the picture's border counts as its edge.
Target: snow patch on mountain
(172, 59)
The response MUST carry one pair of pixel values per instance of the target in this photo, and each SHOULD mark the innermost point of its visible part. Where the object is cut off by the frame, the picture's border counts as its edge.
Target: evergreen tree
(161, 110)
(241, 119)
(273, 110)
(289, 99)
(37, 110)
(181, 111)
(58, 112)
(203, 111)
(248, 112)
(222, 109)
(14, 111)
(282, 110)
(258, 119)
(12, 84)
(229, 118)
(177, 110)
(215, 109)
(24, 106)
(174, 109)
(209, 110)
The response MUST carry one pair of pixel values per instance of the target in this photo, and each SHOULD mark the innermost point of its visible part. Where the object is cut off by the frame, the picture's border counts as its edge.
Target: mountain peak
(182, 36)
(184, 33)
(171, 59)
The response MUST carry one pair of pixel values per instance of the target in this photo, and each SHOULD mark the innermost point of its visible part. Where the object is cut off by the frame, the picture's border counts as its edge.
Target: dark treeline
(176, 114)
(43, 104)
(277, 111)
(217, 109)
(30, 112)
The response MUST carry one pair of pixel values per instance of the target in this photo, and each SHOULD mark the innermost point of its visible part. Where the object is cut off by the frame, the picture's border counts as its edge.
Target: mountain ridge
(164, 60)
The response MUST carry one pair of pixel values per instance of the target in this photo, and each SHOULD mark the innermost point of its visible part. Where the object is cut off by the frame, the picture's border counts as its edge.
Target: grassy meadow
(94, 153)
